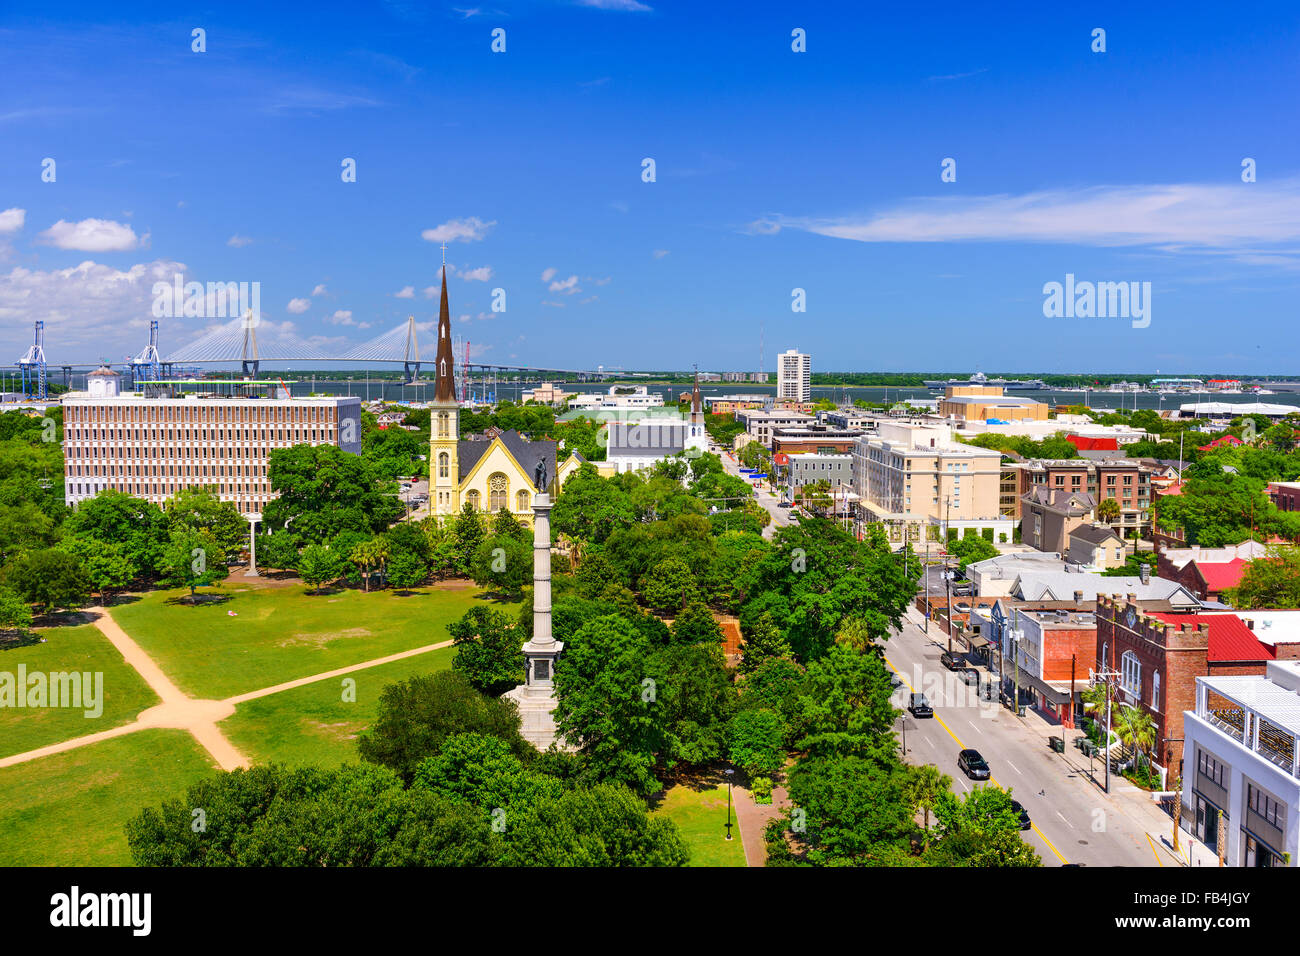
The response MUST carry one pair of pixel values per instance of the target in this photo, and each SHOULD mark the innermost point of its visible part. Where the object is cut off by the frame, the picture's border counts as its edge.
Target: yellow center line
(1042, 836)
(1153, 850)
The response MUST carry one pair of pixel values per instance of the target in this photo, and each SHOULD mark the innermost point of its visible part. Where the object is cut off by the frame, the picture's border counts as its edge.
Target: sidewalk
(752, 820)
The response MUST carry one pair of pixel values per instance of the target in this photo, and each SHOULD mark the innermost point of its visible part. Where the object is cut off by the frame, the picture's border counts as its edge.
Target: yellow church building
(490, 475)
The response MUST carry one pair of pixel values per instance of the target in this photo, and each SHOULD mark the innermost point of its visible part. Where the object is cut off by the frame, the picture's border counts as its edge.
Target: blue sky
(775, 170)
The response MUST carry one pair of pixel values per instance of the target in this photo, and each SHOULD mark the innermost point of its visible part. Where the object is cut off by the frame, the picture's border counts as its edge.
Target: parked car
(919, 706)
(951, 661)
(973, 765)
(968, 675)
(785, 504)
(1022, 813)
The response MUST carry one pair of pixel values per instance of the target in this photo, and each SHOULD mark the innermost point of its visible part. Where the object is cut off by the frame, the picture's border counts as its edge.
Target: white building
(1241, 772)
(152, 444)
(640, 443)
(618, 397)
(794, 376)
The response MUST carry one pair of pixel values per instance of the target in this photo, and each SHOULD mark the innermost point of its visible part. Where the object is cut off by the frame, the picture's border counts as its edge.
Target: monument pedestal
(536, 697)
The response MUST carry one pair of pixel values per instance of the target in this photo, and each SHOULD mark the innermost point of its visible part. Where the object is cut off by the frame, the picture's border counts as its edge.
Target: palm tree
(925, 784)
(367, 555)
(1108, 510)
(1137, 731)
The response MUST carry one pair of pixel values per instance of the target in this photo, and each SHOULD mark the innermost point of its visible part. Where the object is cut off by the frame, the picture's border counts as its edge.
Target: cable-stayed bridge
(238, 341)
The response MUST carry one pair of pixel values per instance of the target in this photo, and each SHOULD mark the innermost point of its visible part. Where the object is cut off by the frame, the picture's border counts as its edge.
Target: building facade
(1125, 480)
(794, 376)
(154, 443)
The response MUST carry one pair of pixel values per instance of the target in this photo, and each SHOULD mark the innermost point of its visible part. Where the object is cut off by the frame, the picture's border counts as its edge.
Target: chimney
(1145, 573)
(1078, 597)
(1132, 598)
(1250, 622)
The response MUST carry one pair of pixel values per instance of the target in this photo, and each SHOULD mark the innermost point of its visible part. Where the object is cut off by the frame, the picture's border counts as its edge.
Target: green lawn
(313, 725)
(80, 649)
(701, 816)
(282, 633)
(69, 809)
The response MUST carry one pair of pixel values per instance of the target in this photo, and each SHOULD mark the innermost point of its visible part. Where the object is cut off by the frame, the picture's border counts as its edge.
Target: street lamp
(729, 772)
(902, 718)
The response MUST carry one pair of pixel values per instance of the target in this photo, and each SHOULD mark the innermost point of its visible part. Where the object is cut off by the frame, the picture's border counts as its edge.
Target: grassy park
(69, 809)
(81, 649)
(313, 725)
(243, 638)
(701, 816)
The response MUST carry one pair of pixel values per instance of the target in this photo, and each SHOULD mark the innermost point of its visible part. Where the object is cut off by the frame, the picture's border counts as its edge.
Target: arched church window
(444, 424)
(498, 489)
(444, 461)
(521, 501)
(472, 498)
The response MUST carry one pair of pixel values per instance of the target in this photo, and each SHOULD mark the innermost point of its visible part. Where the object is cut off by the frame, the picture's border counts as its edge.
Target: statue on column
(539, 475)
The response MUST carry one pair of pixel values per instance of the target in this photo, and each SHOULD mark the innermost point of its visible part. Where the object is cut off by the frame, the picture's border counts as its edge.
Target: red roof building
(1084, 443)
(1224, 441)
(1231, 641)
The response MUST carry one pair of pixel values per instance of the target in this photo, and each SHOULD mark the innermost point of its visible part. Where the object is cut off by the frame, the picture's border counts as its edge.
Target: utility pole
(925, 577)
(1016, 632)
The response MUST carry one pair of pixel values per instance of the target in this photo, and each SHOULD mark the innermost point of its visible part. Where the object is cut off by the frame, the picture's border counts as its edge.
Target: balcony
(1231, 721)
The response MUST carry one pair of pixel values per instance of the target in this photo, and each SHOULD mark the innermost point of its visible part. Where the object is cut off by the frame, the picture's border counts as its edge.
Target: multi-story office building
(153, 443)
(1241, 784)
(794, 376)
(982, 403)
(762, 423)
(1127, 480)
(835, 470)
(909, 476)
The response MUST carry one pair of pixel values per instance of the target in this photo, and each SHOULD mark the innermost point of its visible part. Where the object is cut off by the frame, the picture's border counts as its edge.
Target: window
(1131, 674)
(1209, 768)
(521, 501)
(443, 464)
(498, 488)
(1265, 806)
(444, 425)
(471, 498)
(1155, 691)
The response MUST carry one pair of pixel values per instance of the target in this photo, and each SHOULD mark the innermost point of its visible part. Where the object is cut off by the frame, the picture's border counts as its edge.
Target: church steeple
(696, 410)
(445, 390)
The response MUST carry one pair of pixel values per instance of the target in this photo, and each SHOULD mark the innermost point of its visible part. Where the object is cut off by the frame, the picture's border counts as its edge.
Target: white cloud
(432, 290)
(627, 5)
(590, 298)
(1181, 215)
(660, 253)
(549, 274)
(481, 274)
(298, 306)
(11, 220)
(344, 317)
(320, 290)
(554, 305)
(565, 287)
(239, 242)
(91, 235)
(91, 310)
(406, 292)
(467, 230)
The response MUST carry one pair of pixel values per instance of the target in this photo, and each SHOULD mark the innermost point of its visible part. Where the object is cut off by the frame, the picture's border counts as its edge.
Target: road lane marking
(992, 779)
(1014, 767)
(1153, 850)
(1067, 822)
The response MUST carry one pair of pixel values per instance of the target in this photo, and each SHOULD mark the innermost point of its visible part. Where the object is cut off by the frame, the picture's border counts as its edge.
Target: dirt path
(199, 717)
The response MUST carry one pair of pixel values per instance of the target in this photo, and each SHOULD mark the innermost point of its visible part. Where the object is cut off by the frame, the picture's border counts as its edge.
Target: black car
(919, 706)
(1022, 813)
(951, 661)
(973, 765)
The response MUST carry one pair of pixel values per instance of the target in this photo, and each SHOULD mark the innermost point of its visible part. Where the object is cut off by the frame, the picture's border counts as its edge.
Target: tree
(50, 578)
(278, 550)
(591, 507)
(1136, 731)
(409, 552)
(695, 625)
(417, 715)
(1269, 582)
(114, 517)
(972, 548)
(106, 563)
(323, 490)
(1108, 510)
(763, 641)
(669, 586)
(504, 563)
(469, 534)
(484, 772)
(193, 559)
(489, 651)
(755, 742)
(695, 699)
(845, 704)
(200, 509)
(601, 826)
(320, 564)
(369, 555)
(925, 785)
(15, 615)
(606, 702)
(980, 829)
(855, 811)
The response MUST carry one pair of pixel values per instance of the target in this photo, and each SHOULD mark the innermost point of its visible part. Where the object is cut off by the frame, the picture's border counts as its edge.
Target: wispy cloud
(298, 306)
(627, 5)
(92, 235)
(958, 76)
(307, 99)
(1234, 217)
(239, 242)
(466, 230)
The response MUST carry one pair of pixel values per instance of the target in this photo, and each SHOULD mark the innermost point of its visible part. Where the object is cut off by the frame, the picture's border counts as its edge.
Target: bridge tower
(411, 354)
(146, 366)
(32, 365)
(249, 362)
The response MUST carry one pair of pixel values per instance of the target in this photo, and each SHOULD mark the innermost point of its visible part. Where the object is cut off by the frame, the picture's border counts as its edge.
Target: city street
(1073, 820)
(780, 516)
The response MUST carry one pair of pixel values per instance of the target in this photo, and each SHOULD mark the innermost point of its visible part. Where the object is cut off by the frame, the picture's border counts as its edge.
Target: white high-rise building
(794, 376)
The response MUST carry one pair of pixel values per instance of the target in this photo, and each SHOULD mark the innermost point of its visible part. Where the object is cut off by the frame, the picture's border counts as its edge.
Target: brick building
(1049, 515)
(1154, 658)
(1126, 480)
